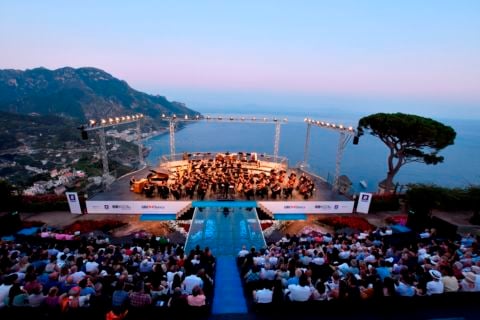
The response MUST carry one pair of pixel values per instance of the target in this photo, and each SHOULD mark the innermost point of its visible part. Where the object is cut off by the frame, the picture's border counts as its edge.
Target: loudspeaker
(84, 135)
(356, 139)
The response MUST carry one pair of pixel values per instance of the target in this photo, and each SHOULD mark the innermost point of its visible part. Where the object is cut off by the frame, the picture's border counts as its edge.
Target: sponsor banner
(364, 200)
(73, 202)
(309, 207)
(136, 207)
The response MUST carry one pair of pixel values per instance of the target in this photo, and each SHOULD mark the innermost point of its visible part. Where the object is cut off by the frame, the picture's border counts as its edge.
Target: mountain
(83, 93)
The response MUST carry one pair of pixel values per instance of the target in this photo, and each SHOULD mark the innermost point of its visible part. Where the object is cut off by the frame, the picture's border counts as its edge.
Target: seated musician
(276, 191)
(202, 190)
(174, 189)
(132, 182)
(288, 191)
(148, 189)
(248, 190)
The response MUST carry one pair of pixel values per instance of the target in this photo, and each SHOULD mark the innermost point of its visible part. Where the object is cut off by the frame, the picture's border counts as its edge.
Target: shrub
(384, 202)
(397, 219)
(86, 226)
(357, 223)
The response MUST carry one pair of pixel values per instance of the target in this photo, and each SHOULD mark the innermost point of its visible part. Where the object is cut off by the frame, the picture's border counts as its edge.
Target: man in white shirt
(436, 285)
(300, 291)
(262, 296)
(5, 288)
(190, 282)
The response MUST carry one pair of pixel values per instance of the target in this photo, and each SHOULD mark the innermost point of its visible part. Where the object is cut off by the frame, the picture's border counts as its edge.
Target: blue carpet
(229, 296)
(28, 231)
(290, 216)
(158, 217)
(400, 228)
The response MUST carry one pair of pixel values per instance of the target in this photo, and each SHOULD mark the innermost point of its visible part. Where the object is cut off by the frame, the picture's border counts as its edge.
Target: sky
(349, 56)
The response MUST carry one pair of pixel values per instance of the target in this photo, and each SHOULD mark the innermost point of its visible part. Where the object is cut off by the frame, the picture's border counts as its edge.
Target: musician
(202, 190)
(276, 189)
(148, 189)
(174, 189)
(248, 190)
(132, 182)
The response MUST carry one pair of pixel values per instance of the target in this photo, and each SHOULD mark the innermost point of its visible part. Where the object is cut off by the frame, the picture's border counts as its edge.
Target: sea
(364, 163)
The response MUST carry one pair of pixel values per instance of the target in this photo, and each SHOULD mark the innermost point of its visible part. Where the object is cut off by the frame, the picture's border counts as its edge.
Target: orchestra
(226, 176)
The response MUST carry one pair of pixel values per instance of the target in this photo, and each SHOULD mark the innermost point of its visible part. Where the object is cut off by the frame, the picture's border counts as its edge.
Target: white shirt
(298, 293)
(242, 253)
(434, 287)
(4, 290)
(77, 276)
(91, 266)
(264, 296)
(190, 282)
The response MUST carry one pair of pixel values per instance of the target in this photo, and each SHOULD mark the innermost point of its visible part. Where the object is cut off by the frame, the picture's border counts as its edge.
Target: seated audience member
(468, 284)
(435, 286)
(262, 296)
(300, 291)
(197, 298)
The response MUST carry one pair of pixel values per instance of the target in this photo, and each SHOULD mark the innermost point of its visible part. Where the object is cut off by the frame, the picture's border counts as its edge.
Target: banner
(136, 207)
(308, 207)
(364, 200)
(73, 202)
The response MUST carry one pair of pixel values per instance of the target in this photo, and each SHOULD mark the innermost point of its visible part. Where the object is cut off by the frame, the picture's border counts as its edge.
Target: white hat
(435, 274)
(476, 269)
(103, 273)
(470, 277)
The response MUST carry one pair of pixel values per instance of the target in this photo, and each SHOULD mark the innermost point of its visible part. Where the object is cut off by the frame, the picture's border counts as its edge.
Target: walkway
(224, 230)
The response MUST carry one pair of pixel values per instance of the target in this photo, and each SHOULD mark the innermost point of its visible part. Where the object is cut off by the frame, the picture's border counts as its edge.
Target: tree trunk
(389, 182)
(393, 169)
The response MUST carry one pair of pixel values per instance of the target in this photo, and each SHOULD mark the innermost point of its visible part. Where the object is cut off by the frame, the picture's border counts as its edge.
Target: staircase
(225, 230)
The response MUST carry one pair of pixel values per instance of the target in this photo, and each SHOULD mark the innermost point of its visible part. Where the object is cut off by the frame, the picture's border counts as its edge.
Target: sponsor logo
(336, 207)
(294, 207)
(72, 197)
(152, 206)
(106, 206)
(323, 206)
(121, 206)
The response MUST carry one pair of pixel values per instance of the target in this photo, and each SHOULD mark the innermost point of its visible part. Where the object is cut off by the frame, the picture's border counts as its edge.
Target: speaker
(84, 135)
(356, 139)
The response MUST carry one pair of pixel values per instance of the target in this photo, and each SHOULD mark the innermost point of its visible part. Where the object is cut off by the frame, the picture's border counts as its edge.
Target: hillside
(83, 93)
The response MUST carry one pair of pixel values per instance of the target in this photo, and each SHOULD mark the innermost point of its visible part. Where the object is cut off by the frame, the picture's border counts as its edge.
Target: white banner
(136, 207)
(308, 207)
(364, 200)
(73, 202)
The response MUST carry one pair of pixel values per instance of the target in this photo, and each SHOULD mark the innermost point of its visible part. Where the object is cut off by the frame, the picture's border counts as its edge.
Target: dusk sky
(355, 56)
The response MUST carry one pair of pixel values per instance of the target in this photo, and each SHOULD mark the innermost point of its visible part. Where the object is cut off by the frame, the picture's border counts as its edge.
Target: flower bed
(86, 226)
(357, 223)
(265, 224)
(397, 219)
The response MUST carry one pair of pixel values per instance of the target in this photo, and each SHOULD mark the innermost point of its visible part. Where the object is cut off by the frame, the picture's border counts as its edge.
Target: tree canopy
(410, 138)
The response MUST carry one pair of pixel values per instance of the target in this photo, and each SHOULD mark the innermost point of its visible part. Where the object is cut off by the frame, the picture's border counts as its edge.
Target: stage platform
(119, 190)
(128, 195)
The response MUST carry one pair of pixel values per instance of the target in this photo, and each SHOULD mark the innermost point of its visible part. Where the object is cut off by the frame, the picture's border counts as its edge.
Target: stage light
(117, 119)
(92, 122)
